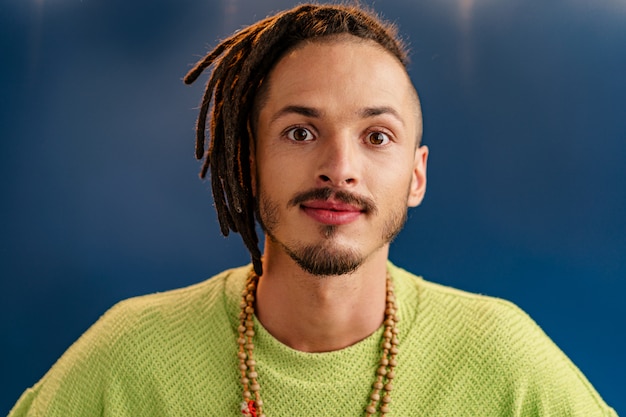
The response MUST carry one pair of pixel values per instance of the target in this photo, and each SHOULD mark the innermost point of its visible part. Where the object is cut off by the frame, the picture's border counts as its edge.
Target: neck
(320, 314)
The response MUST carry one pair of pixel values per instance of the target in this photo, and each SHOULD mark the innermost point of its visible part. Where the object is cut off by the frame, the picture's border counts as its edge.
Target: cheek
(397, 198)
(280, 172)
(274, 184)
(392, 182)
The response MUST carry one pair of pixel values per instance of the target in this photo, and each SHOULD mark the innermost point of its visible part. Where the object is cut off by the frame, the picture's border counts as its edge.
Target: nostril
(327, 179)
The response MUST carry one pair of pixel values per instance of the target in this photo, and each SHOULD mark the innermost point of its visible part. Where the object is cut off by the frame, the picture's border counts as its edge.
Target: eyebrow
(301, 110)
(377, 111)
(316, 114)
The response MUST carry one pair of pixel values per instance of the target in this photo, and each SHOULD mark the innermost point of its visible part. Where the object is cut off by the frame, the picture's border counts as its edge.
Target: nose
(339, 162)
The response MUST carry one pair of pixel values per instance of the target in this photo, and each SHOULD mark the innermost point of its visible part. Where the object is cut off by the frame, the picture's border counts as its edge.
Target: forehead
(340, 71)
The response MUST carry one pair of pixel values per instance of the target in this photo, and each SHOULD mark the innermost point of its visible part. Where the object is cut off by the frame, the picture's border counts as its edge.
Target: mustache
(366, 204)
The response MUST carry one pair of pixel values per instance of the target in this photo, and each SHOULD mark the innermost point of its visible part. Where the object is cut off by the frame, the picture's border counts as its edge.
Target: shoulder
(434, 301)
(207, 296)
(140, 346)
(471, 323)
(463, 337)
(146, 328)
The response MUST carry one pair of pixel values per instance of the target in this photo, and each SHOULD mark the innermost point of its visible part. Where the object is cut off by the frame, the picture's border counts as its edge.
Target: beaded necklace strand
(380, 397)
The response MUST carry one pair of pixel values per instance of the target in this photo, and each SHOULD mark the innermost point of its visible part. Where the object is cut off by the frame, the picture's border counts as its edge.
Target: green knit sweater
(175, 354)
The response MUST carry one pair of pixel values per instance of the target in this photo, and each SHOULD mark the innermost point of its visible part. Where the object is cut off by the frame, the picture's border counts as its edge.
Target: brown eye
(299, 134)
(377, 138)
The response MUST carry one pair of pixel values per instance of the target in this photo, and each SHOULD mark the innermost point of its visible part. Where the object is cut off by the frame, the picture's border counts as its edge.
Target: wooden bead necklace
(252, 405)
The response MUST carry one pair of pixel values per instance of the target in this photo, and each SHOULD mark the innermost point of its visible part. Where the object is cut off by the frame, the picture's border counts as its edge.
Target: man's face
(335, 158)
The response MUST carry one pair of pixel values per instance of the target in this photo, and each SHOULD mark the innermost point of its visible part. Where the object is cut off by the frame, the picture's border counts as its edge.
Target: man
(315, 132)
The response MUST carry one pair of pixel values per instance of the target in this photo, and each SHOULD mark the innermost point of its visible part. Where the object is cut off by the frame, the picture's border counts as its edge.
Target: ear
(418, 177)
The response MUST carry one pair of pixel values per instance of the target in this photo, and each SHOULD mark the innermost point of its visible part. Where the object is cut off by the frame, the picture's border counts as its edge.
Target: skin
(341, 115)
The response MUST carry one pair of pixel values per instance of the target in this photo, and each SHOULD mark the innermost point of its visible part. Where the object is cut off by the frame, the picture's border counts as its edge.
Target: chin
(325, 260)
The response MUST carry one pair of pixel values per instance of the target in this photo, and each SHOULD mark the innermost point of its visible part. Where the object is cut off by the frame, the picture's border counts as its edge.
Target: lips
(330, 212)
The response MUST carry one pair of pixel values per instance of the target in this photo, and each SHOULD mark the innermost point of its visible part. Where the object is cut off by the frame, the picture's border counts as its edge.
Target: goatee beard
(325, 258)
(321, 260)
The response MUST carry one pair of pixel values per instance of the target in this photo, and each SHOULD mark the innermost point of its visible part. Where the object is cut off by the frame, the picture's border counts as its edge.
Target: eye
(299, 134)
(377, 138)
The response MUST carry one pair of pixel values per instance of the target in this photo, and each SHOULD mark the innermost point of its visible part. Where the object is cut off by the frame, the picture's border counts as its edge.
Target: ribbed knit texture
(175, 354)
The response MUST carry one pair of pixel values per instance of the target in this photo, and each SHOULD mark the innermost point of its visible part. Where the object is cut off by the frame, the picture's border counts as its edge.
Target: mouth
(333, 207)
(332, 213)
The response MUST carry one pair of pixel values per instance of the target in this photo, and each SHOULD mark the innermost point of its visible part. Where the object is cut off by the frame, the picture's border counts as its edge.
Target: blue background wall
(99, 199)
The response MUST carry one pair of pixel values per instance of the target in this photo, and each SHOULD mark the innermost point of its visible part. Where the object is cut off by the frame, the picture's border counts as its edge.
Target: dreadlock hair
(240, 65)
